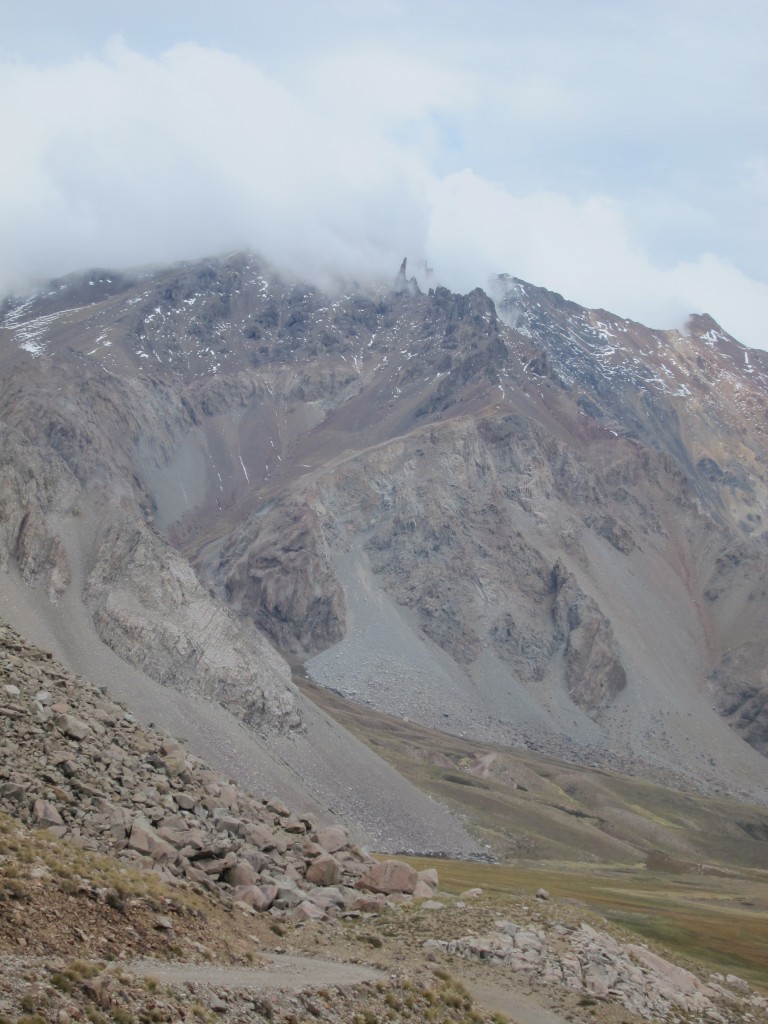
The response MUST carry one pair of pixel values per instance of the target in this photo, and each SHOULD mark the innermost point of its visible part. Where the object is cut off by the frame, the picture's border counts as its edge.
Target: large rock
(46, 813)
(390, 876)
(241, 874)
(333, 838)
(73, 727)
(146, 840)
(307, 911)
(324, 870)
(260, 897)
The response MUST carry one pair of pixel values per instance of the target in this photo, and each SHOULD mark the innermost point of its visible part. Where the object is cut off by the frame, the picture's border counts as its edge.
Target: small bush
(14, 888)
(116, 901)
(81, 969)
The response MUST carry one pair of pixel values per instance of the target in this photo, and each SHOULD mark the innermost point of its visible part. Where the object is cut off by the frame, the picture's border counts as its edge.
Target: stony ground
(69, 950)
(136, 884)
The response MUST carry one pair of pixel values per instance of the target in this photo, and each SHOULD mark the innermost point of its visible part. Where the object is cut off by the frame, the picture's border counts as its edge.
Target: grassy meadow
(680, 869)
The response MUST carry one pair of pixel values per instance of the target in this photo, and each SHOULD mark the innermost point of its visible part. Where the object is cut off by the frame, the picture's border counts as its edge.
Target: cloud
(343, 167)
(585, 250)
(130, 159)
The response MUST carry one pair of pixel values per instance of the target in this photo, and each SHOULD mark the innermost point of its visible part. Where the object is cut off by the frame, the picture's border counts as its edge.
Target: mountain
(499, 514)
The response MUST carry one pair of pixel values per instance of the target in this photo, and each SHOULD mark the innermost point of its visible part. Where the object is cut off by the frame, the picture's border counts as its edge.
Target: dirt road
(282, 972)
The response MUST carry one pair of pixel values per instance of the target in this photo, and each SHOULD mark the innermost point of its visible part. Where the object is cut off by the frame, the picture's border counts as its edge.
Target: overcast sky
(616, 152)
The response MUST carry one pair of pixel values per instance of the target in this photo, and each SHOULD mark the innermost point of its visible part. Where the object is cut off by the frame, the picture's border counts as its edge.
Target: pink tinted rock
(145, 839)
(430, 876)
(306, 911)
(260, 897)
(333, 838)
(390, 876)
(241, 873)
(324, 870)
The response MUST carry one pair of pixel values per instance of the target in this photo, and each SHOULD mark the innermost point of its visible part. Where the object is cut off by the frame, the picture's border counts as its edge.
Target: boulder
(430, 877)
(240, 874)
(175, 764)
(333, 838)
(145, 839)
(390, 876)
(260, 835)
(682, 980)
(13, 791)
(72, 727)
(306, 911)
(323, 870)
(46, 813)
(176, 837)
(227, 823)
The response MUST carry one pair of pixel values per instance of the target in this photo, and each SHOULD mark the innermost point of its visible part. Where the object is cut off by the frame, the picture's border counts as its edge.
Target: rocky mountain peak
(504, 514)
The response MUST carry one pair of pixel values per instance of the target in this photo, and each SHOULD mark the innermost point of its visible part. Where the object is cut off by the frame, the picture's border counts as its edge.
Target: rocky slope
(80, 766)
(508, 516)
(212, 901)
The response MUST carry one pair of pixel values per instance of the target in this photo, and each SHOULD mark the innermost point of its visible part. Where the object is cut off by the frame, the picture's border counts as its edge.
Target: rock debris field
(253, 913)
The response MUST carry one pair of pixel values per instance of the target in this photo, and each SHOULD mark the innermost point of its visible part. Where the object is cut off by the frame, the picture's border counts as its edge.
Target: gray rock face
(418, 463)
(151, 609)
(33, 490)
(594, 672)
(279, 572)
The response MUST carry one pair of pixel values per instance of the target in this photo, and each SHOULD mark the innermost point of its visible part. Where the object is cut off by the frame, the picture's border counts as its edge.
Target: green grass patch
(719, 922)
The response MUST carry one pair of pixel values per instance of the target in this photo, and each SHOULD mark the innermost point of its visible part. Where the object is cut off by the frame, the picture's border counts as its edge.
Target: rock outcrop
(594, 673)
(35, 490)
(277, 570)
(151, 609)
(582, 959)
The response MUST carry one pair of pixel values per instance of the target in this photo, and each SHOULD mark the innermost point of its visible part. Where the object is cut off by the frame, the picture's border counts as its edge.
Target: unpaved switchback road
(520, 1008)
(284, 972)
(289, 973)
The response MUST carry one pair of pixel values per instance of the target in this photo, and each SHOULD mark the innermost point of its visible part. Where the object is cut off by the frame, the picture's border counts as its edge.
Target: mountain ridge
(557, 512)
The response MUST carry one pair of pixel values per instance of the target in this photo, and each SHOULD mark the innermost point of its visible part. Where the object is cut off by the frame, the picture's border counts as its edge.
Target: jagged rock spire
(401, 281)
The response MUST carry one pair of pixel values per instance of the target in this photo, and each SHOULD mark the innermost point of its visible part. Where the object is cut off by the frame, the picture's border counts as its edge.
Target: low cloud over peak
(341, 160)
